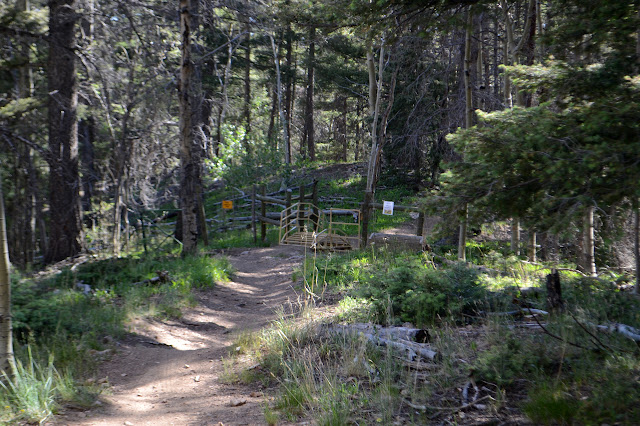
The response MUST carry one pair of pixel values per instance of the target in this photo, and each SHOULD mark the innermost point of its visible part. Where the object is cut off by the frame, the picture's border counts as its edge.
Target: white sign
(387, 208)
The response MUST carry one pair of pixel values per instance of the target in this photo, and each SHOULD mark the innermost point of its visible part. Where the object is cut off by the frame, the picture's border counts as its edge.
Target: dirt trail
(169, 372)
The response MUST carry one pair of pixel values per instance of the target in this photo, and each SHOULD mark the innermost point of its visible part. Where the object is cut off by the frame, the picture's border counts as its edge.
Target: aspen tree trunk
(589, 242)
(532, 246)
(375, 89)
(6, 340)
(462, 236)
(283, 116)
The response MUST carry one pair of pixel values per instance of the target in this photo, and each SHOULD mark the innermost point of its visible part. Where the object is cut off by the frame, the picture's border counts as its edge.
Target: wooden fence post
(300, 207)
(287, 205)
(263, 211)
(253, 214)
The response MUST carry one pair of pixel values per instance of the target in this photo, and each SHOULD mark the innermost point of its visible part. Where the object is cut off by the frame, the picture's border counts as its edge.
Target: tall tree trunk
(224, 104)
(533, 246)
(281, 109)
(24, 225)
(342, 140)
(288, 88)
(375, 90)
(86, 132)
(589, 242)
(272, 119)
(375, 98)
(247, 90)
(39, 215)
(122, 159)
(6, 341)
(515, 236)
(358, 131)
(309, 132)
(64, 197)
(636, 242)
(468, 122)
(190, 152)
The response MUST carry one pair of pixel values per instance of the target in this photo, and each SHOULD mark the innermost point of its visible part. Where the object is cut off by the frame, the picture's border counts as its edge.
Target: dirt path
(169, 372)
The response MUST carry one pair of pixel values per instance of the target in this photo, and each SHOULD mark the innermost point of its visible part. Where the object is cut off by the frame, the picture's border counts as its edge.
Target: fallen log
(514, 313)
(163, 277)
(397, 241)
(479, 268)
(625, 330)
(411, 349)
(418, 335)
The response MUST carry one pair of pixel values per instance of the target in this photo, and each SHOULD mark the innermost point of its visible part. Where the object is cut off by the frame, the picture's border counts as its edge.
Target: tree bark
(6, 341)
(341, 127)
(190, 152)
(308, 132)
(283, 115)
(532, 246)
(272, 119)
(64, 197)
(247, 89)
(224, 104)
(515, 236)
(468, 122)
(288, 89)
(589, 243)
(636, 242)
(554, 292)
(375, 91)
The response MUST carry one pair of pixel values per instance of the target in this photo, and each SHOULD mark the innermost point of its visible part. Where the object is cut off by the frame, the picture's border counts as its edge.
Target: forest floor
(172, 372)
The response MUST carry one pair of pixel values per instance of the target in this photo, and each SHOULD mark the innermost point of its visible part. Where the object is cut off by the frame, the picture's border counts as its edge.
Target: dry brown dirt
(172, 372)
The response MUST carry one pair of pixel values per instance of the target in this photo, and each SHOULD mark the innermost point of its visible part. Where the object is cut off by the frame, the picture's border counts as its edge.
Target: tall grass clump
(32, 391)
(37, 389)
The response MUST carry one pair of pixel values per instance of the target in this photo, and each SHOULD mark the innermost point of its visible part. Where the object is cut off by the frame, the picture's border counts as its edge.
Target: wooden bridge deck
(322, 241)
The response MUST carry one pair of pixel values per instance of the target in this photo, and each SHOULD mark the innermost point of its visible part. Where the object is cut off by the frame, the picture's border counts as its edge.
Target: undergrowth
(566, 372)
(65, 324)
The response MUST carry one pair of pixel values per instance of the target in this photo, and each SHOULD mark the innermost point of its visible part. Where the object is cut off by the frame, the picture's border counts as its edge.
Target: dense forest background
(518, 120)
(111, 108)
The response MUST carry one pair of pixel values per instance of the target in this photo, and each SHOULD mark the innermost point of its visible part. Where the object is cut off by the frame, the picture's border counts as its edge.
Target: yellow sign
(227, 204)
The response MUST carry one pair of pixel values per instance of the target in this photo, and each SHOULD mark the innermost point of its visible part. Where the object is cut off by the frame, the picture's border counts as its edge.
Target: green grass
(59, 329)
(554, 381)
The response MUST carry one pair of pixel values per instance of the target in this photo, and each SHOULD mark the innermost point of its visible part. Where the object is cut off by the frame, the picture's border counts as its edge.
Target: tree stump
(554, 292)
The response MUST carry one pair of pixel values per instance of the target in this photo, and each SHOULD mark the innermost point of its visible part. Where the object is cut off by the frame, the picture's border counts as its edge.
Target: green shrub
(420, 295)
(551, 405)
(511, 357)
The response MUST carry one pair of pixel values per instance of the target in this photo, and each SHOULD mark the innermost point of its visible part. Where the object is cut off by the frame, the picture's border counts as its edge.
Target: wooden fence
(250, 211)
